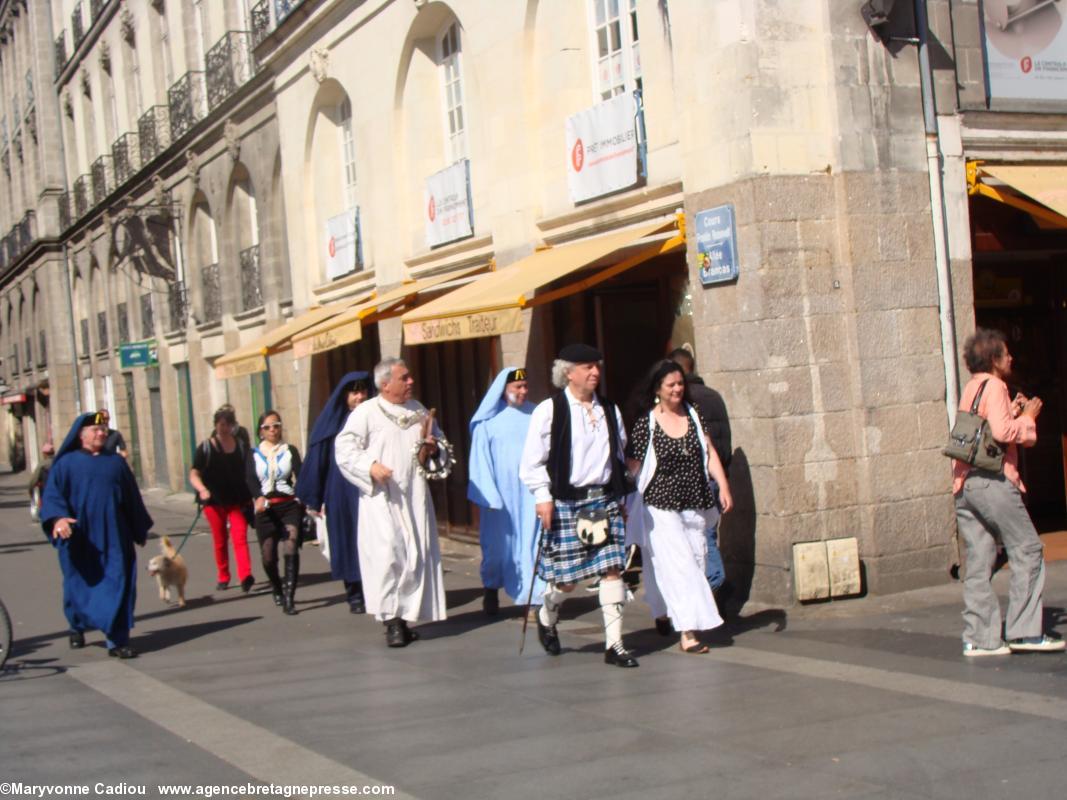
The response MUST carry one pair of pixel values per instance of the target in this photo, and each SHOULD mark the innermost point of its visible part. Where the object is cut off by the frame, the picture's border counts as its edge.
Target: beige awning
(1045, 183)
(252, 357)
(347, 327)
(493, 304)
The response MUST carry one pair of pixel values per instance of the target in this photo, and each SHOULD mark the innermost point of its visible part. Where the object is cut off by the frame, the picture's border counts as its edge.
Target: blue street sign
(716, 245)
(138, 354)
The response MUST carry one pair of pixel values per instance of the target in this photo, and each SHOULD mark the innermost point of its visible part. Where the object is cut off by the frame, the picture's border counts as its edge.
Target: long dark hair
(660, 370)
(270, 412)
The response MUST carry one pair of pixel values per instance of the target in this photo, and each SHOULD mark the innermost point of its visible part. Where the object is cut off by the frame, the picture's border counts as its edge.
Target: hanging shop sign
(716, 239)
(448, 208)
(138, 354)
(1026, 50)
(602, 148)
(344, 245)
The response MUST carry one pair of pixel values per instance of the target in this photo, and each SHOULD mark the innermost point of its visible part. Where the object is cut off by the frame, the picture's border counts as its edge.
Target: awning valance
(1021, 185)
(252, 357)
(347, 327)
(493, 304)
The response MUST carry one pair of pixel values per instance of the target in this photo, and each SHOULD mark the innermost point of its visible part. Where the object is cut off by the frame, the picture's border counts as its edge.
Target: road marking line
(262, 754)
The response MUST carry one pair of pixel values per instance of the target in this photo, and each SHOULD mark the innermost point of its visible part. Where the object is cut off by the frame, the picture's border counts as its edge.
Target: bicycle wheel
(5, 635)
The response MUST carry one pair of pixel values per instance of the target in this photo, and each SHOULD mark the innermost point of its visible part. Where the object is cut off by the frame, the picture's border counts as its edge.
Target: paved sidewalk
(861, 698)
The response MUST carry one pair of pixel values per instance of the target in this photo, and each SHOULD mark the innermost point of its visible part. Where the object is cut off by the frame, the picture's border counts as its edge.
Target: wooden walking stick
(533, 580)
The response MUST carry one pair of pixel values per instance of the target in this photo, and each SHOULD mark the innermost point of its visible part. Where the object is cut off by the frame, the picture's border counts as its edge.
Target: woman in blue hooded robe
(507, 519)
(324, 490)
(93, 512)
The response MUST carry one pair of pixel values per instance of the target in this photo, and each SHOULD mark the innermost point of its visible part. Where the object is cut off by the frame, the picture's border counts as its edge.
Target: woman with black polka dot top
(675, 463)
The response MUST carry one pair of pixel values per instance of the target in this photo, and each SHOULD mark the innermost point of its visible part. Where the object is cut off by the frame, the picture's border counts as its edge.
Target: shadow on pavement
(169, 637)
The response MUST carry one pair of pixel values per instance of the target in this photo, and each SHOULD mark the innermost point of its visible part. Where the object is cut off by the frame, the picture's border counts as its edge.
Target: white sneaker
(972, 650)
(1037, 644)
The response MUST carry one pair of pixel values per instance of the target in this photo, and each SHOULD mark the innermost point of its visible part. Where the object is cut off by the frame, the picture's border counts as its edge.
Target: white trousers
(675, 585)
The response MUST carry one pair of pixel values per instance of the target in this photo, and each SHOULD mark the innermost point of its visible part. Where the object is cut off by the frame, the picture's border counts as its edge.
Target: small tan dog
(170, 570)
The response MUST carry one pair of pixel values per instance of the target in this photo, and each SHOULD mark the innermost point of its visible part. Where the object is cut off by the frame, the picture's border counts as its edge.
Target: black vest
(559, 451)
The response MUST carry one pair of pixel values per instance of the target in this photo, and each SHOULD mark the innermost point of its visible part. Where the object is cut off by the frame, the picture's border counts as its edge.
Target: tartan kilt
(564, 559)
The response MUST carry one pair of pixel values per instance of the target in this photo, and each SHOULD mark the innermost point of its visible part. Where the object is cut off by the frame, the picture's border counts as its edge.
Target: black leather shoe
(410, 635)
(278, 599)
(77, 640)
(122, 652)
(491, 602)
(395, 635)
(548, 636)
(354, 594)
(619, 656)
(247, 584)
(663, 626)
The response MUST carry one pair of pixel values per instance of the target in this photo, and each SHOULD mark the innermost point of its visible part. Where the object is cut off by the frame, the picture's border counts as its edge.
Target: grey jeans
(987, 507)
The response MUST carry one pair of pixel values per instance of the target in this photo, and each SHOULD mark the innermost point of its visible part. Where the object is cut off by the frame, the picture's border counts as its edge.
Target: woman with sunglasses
(271, 475)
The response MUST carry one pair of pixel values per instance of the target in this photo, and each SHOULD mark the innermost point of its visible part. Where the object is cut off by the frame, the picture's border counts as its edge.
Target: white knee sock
(551, 600)
(612, 599)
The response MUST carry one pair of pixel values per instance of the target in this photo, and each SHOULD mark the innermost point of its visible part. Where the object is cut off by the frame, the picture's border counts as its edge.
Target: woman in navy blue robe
(324, 490)
(94, 514)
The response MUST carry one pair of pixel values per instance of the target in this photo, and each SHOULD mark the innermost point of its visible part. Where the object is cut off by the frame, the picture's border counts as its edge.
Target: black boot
(354, 595)
(292, 573)
(396, 633)
(491, 602)
(271, 569)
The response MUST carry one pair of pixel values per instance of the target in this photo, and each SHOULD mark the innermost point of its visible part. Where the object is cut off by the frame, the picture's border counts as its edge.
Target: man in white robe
(398, 549)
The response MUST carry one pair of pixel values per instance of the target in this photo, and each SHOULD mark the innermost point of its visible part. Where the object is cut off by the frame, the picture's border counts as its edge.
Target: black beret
(580, 354)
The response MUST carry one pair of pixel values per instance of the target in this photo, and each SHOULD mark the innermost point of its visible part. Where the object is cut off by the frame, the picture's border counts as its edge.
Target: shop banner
(246, 366)
(344, 249)
(467, 326)
(602, 148)
(328, 339)
(449, 213)
(716, 245)
(1026, 50)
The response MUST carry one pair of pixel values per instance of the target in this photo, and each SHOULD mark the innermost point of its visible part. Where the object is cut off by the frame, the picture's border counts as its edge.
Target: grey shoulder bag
(972, 442)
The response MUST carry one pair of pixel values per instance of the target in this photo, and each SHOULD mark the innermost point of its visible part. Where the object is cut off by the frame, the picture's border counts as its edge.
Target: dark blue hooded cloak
(321, 483)
(98, 561)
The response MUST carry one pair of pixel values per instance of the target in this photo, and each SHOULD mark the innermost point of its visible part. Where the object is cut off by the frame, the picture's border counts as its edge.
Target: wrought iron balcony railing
(81, 196)
(187, 100)
(61, 52)
(103, 182)
(64, 211)
(27, 231)
(77, 24)
(211, 287)
(177, 305)
(153, 132)
(251, 279)
(260, 21)
(125, 157)
(229, 65)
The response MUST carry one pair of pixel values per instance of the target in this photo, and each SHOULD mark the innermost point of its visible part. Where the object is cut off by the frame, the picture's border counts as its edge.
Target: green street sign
(138, 354)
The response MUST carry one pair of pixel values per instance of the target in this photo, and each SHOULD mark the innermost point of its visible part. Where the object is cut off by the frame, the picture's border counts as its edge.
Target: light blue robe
(507, 530)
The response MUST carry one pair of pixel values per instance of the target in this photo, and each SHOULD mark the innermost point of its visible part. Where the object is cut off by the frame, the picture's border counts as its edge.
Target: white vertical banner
(343, 245)
(109, 398)
(602, 148)
(89, 396)
(449, 215)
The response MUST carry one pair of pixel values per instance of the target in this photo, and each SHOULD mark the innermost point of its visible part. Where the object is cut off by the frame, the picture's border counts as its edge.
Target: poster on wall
(344, 252)
(1026, 50)
(602, 148)
(716, 245)
(447, 205)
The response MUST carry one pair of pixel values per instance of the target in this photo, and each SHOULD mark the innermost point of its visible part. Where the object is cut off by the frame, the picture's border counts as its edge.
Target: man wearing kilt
(572, 462)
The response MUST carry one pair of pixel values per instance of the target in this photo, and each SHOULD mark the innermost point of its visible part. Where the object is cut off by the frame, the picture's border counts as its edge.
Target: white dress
(398, 549)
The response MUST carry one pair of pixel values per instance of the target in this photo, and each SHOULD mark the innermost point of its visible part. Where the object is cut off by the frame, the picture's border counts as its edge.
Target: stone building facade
(859, 238)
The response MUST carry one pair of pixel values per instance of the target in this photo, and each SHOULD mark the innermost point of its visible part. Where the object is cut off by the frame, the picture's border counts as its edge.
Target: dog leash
(196, 519)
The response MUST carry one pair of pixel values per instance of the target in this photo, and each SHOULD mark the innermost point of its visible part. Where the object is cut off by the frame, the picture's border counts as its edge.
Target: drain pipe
(939, 217)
